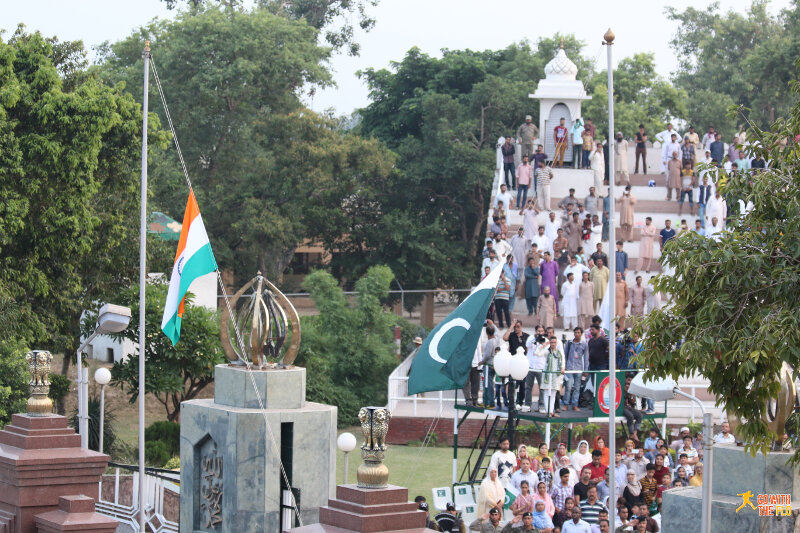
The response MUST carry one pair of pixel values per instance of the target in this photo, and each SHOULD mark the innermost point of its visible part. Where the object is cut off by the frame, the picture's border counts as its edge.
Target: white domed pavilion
(560, 95)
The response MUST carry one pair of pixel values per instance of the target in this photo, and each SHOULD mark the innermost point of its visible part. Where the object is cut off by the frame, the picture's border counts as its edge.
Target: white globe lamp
(347, 443)
(102, 376)
(519, 365)
(502, 363)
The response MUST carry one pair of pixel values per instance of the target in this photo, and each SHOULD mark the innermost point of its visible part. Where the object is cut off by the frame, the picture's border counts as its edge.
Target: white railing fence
(156, 488)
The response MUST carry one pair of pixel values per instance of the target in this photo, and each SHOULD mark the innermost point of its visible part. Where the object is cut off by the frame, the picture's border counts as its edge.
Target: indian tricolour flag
(193, 259)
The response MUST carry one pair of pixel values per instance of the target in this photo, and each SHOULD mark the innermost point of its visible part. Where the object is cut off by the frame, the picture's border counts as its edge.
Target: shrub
(109, 434)
(59, 388)
(156, 453)
(168, 433)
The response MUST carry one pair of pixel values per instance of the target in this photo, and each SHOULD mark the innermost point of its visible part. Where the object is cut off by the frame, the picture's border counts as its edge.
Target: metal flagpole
(612, 274)
(143, 280)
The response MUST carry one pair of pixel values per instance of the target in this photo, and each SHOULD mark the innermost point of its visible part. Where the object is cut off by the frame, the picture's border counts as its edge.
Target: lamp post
(666, 389)
(110, 319)
(516, 367)
(102, 376)
(347, 443)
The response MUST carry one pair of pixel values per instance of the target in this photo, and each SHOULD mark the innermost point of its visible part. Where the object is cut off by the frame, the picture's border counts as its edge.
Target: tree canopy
(736, 58)
(733, 313)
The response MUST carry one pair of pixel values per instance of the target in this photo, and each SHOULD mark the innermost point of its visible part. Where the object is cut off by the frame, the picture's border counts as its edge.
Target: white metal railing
(398, 391)
(155, 488)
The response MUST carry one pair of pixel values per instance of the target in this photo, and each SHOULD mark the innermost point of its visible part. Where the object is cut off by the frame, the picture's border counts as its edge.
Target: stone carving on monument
(263, 317)
(210, 486)
(39, 403)
(373, 474)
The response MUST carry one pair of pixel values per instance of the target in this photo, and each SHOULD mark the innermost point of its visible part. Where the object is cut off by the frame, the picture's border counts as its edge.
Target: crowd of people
(560, 268)
(570, 492)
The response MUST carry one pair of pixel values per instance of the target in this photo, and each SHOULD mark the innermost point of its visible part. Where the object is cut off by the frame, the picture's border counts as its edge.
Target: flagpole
(142, 281)
(612, 272)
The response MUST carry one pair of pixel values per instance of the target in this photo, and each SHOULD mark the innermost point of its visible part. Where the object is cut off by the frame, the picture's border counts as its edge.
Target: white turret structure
(560, 95)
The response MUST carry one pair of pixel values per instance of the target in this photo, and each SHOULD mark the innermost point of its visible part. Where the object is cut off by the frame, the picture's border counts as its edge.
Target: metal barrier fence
(158, 483)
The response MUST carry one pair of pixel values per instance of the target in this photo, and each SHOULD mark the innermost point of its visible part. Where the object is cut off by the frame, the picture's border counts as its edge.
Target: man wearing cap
(527, 524)
(677, 443)
(430, 524)
(621, 160)
(488, 522)
(449, 521)
(526, 134)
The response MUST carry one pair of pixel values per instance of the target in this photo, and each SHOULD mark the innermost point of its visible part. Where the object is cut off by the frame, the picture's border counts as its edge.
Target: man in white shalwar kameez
(529, 221)
(715, 229)
(569, 304)
(541, 240)
(551, 227)
(502, 248)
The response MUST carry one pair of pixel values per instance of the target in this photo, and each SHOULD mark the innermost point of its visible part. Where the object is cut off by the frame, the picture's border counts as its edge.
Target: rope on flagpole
(248, 365)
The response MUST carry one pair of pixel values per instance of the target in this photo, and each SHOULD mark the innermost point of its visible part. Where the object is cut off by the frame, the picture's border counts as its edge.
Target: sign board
(602, 396)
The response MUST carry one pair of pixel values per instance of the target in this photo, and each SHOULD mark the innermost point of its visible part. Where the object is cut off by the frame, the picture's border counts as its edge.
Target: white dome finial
(561, 67)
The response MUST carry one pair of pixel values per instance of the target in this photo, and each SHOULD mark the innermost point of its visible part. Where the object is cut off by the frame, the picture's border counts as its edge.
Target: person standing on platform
(544, 175)
(542, 243)
(526, 134)
(574, 231)
(588, 147)
(638, 298)
(597, 162)
(674, 176)
(532, 285)
(549, 272)
(508, 149)
(621, 258)
(561, 139)
(519, 247)
(621, 161)
(576, 356)
(621, 300)
(501, 296)
(646, 243)
(592, 202)
(585, 301)
(547, 308)
(599, 277)
(552, 226)
(524, 177)
(577, 143)
(569, 302)
(641, 150)
(626, 203)
(667, 234)
(529, 213)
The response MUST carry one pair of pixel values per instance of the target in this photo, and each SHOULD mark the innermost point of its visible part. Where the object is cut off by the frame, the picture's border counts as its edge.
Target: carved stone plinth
(362, 510)
(40, 461)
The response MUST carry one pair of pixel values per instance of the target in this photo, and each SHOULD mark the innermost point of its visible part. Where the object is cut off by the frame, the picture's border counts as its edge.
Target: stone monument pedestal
(41, 459)
(230, 462)
(356, 509)
(736, 472)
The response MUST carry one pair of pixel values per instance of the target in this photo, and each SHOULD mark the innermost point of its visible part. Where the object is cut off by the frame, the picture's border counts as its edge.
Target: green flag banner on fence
(444, 360)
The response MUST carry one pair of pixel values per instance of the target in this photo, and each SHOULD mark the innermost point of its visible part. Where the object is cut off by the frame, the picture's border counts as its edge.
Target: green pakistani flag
(445, 358)
(511, 495)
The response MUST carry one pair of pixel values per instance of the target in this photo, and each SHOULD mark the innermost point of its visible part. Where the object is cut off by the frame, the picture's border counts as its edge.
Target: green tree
(173, 374)
(324, 15)
(641, 97)
(733, 314)
(69, 152)
(13, 379)
(349, 349)
(743, 58)
(257, 158)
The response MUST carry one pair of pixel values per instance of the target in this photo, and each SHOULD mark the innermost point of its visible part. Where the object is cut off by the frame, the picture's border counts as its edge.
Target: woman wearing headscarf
(540, 519)
(633, 491)
(561, 451)
(582, 457)
(599, 443)
(542, 495)
(697, 479)
(522, 453)
(491, 493)
(524, 501)
(564, 462)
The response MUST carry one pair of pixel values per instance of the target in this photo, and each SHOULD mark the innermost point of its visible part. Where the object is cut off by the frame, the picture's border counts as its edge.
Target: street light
(661, 390)
(110, 319)
(102, 376)
(516, 367)
(347, 443)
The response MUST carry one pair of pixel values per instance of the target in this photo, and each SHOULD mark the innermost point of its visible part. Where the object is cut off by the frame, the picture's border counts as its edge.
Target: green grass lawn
(409, 466)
